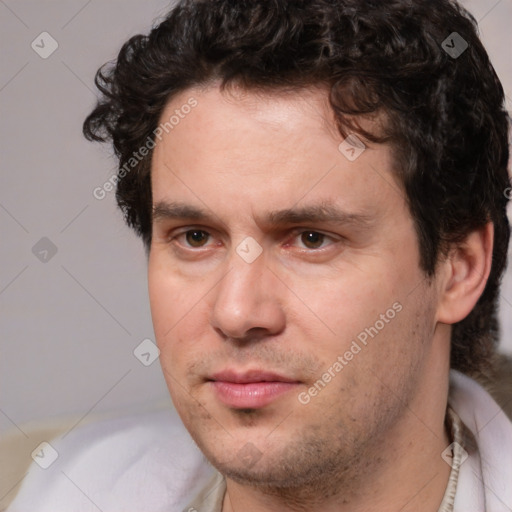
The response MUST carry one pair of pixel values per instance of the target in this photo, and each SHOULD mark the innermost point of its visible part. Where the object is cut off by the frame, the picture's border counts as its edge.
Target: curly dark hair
(419, 63)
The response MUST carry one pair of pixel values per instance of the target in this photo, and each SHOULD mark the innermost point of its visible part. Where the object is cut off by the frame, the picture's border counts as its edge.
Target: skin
(372, 438)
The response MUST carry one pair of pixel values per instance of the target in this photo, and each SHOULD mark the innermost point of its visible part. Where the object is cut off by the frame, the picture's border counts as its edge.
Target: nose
(247, 302)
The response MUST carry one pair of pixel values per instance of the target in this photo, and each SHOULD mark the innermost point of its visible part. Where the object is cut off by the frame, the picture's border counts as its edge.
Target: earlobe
(466, 270)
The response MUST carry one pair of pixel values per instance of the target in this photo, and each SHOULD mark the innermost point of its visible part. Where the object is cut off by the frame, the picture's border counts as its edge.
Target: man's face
(294, 322)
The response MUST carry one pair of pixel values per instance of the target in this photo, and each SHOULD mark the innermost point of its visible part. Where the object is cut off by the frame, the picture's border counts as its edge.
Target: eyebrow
(324, 212)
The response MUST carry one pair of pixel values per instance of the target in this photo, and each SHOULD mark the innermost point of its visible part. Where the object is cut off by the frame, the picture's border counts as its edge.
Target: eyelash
(296, 233)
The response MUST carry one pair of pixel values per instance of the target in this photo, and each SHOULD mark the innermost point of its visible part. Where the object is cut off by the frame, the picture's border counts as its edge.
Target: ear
(464, 275)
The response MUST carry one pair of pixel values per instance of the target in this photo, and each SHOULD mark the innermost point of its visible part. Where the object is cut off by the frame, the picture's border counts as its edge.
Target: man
(321, 189)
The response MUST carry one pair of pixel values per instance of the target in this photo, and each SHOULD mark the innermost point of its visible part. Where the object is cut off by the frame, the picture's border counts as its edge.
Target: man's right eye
(195, 237)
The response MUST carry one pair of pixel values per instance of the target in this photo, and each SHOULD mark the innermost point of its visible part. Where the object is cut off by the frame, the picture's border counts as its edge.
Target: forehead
(300, 114)
(283, 145)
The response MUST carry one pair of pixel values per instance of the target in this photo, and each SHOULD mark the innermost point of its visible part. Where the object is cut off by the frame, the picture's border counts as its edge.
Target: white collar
(485, 477)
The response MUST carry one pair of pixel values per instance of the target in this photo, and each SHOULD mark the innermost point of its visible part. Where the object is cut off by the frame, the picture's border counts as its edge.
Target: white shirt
(149, 463)
(140, 463)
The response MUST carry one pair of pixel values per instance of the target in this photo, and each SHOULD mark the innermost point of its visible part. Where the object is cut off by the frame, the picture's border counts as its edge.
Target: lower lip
(252, 395)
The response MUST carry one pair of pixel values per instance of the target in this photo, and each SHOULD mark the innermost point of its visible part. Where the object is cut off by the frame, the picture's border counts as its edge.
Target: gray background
(69, 325)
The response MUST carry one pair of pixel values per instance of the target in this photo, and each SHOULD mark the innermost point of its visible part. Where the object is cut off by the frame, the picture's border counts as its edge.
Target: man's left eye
(313, 239)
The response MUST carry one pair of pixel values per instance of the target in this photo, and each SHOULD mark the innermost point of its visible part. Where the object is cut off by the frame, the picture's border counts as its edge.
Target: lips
(250, 390)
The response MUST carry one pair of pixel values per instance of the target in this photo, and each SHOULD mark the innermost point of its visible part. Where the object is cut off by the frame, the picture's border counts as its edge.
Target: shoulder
(486, 475)
(138, 462)
(477, 409)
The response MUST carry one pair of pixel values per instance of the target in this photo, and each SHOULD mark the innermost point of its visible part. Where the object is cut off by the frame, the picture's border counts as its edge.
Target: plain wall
(69, 325)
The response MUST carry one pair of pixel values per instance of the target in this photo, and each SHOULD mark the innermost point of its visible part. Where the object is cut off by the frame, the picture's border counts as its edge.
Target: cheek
(341, 308)
(179, 312)
(372, 322)
(162, 300)
(171, 297)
